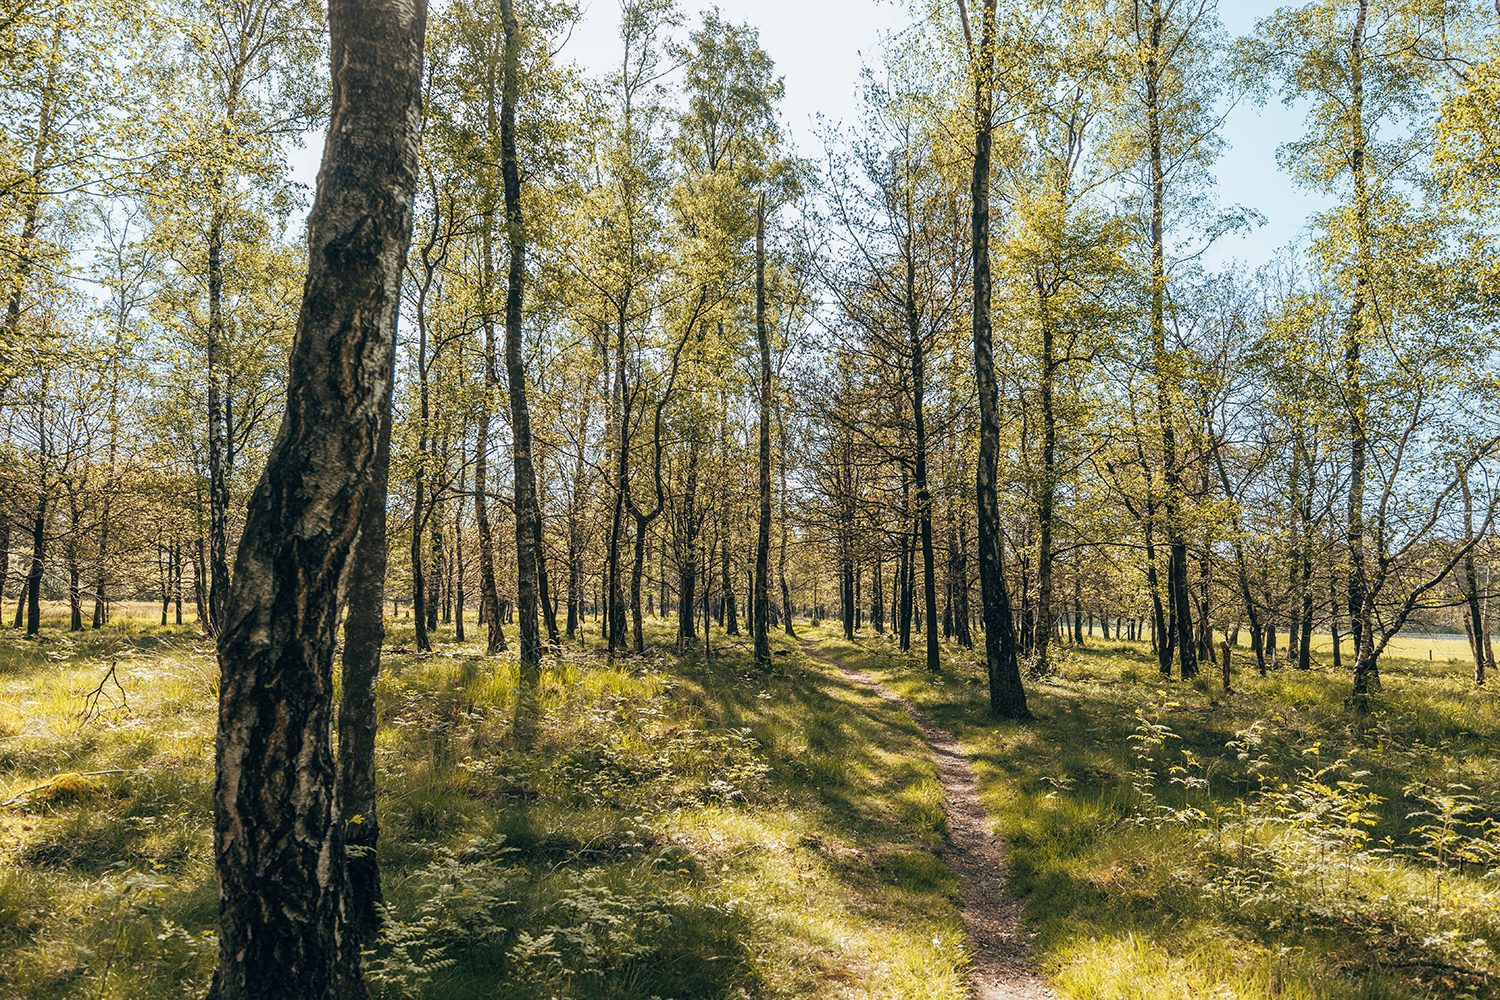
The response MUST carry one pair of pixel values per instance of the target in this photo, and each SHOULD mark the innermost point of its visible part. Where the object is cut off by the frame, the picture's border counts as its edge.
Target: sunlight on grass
(1170, 841)
(675, 828)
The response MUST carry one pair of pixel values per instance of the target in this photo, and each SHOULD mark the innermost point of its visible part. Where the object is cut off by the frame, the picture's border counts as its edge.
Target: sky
(819, 47)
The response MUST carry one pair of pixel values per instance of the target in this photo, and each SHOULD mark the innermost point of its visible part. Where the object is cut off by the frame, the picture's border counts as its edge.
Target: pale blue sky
(818, 46)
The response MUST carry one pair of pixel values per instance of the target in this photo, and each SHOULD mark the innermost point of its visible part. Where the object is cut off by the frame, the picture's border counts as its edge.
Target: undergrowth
(666, 828)
(1173, 841)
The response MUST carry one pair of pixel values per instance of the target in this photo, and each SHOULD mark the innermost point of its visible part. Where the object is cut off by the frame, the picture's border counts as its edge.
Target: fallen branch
(91, 709)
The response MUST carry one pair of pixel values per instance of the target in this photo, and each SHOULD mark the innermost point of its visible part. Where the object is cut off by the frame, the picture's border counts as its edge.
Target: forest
(487, 515)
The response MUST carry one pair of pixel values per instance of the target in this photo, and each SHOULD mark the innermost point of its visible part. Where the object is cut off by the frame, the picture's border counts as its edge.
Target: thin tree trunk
(924, 495)
(528, 511)
(760, 598)
(1007, 695)
(31, 597)
(75, 570)
(1361, 603)
(1177, 545)
(1471, 585)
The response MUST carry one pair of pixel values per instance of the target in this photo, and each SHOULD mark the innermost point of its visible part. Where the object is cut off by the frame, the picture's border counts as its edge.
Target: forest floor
(674, 830)
(1001, 968)
(681, 829)
(1169, 841)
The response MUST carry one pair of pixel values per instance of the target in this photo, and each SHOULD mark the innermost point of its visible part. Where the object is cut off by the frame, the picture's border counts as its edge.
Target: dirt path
(1001, 970)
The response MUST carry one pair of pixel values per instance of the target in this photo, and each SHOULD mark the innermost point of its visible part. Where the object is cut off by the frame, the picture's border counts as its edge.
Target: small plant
(466, 901)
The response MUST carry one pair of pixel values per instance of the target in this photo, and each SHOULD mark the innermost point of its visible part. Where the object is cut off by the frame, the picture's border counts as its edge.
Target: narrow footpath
(1001, 968)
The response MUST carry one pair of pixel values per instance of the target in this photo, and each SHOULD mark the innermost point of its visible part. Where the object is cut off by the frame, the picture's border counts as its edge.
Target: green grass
(674, 829)
(1156, 861)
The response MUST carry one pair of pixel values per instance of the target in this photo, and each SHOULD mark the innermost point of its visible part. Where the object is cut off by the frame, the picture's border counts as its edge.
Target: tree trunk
(687, 563)
(731, 619)
(75, 570)
(1007, 696)
(786, 591)
(1471, 585)
(277, 830)
(924, 495)
(1177, 545)
(364, 632)
(528, 510)
(177, 578)
(1048, 498)
(761, 598)
(218, 475)
(418, 564)
(31, 597)
(1361, 606)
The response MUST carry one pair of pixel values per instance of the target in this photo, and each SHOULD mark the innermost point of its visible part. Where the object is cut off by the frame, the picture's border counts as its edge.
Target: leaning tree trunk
(278, 839)
(1007, 696)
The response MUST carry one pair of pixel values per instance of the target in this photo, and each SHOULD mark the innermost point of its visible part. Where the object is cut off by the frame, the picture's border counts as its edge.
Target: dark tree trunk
(786, 591)
(1007, 696)
(460, 568)
(364, 632)
(1177, 582)
(164, 577)
(200, 580)
(277, 831)
(962, 613)
(489, 593)
(615, 599)
(74, 566)
(1045, 560)
(5, 556)
(435, 567)
(31, 597)
(924, 495)
(418, 564)
(528, 509)
(177, 579)
(687, 563)
(731, 619)
(1471, 585)
(761, 598)
(1078, 632)
(1333, 619)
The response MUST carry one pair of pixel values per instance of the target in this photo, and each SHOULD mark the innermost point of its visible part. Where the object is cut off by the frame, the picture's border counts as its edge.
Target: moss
(70, 786)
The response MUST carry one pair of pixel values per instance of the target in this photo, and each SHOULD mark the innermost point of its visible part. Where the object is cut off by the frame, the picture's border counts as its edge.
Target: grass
(1170, 841)
(674, 829)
